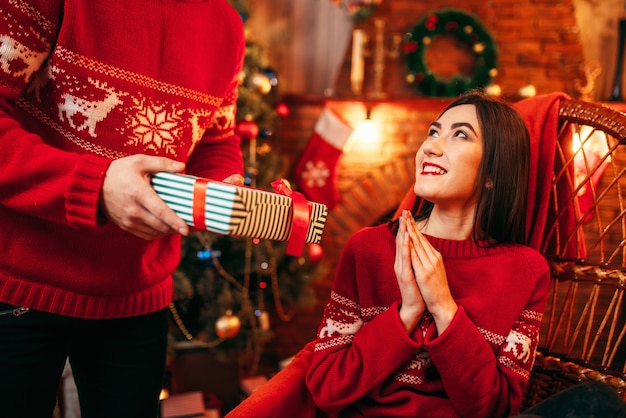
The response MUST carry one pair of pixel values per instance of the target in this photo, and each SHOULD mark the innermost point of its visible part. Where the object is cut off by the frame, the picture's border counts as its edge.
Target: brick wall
(537, 40)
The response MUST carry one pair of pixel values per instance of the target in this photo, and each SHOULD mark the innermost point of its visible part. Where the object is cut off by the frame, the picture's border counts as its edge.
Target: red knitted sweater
(365, 364)
(85, 82)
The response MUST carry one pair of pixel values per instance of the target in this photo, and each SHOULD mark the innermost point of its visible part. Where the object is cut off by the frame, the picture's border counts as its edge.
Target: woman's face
(447, 162)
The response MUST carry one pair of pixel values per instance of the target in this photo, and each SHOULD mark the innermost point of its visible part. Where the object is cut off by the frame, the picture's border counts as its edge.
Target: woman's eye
(461, 134)
(433, 132)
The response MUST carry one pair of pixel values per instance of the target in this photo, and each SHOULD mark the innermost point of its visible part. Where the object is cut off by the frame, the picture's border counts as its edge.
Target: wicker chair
(583, 332)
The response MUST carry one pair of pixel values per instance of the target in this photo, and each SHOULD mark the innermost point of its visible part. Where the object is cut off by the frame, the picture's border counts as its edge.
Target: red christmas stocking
(315, 172)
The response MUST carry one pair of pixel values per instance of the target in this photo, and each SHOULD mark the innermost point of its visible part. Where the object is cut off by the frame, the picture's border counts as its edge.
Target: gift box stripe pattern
(316, 226)
(177, 192)
(269, 215)
(237, 211)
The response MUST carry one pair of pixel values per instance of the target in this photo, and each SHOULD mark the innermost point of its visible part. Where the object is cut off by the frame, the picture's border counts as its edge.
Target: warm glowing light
(164, 394)
(493, 90)
(589, 146)
(365, 138)
(527, 91)
(367, 132)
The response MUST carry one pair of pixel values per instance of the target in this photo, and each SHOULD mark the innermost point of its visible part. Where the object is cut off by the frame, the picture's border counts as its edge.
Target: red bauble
(282, 109)
(247, 129)
(315, 253)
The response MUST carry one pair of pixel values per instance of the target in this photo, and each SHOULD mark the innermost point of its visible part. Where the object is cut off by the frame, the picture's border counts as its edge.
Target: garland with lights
(467, 29)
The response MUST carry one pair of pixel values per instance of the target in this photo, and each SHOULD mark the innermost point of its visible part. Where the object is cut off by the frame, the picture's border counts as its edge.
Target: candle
(357, 70)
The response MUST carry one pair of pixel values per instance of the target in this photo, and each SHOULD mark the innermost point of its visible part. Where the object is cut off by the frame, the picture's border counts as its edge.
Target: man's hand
(236, 179)
(129, 201)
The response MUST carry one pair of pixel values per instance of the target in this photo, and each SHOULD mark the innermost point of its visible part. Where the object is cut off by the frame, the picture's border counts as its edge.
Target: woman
(438, 315)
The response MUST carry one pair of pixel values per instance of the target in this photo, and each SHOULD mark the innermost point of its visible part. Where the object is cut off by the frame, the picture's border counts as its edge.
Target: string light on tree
(261, 82)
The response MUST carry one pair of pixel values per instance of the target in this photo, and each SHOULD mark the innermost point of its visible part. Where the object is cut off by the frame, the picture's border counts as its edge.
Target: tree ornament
(247, 130)
(227, 326)
(466, 29)
(315, 253)
(282, 109)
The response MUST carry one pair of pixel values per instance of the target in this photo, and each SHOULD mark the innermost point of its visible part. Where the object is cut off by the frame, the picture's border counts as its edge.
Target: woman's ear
(489, 184)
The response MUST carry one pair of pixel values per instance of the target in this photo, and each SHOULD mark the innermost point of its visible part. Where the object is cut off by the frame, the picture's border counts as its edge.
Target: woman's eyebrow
(460, 124)
(455, 125)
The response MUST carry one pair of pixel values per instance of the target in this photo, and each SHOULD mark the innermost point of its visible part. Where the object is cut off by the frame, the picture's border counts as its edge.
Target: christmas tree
(226, 289)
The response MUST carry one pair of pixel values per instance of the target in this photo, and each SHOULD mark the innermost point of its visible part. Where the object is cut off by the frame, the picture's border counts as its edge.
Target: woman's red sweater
(365, 363)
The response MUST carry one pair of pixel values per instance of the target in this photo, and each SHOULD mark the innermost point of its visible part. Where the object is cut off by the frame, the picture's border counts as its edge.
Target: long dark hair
(501, 209)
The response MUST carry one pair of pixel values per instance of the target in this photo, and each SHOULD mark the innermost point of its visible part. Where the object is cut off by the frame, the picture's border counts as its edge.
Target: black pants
(118, 364)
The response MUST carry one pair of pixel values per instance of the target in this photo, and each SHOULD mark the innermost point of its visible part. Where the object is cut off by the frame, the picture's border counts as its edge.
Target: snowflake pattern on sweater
(74, 94)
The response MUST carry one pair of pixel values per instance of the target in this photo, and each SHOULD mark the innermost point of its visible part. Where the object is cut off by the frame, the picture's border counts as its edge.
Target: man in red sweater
(94, 97)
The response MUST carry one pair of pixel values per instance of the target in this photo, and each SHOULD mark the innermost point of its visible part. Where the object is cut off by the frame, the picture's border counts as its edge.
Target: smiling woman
(454, 292)
(447, 165)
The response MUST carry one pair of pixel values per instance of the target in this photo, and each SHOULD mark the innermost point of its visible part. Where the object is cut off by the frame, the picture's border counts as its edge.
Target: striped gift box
(234, 210)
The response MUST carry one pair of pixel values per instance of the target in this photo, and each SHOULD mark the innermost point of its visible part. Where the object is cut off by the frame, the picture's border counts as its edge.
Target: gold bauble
(227, 326)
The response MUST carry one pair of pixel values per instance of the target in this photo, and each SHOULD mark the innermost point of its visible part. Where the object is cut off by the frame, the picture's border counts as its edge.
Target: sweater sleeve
(498, 367)
(36, 178)
(347, 362)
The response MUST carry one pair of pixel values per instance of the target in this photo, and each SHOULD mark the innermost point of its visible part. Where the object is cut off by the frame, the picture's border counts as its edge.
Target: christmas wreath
(467, 29)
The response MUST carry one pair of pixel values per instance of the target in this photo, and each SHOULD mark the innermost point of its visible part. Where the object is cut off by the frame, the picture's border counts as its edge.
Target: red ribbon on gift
(199, 198)
(301, 217)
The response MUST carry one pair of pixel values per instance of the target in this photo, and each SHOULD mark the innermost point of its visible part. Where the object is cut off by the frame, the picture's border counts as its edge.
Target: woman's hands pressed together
(413, 304)
(421, 277)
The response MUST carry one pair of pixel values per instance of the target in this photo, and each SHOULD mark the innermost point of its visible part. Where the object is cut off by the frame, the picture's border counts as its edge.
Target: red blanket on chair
(284, 395)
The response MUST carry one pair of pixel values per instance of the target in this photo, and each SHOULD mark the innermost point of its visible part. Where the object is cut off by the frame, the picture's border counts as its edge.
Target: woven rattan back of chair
(583, 330)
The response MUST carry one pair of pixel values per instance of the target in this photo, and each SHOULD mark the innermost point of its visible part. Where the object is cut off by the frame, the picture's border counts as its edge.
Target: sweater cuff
(432, 340)
(395, 334)
(83, 193)
(452, 344)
